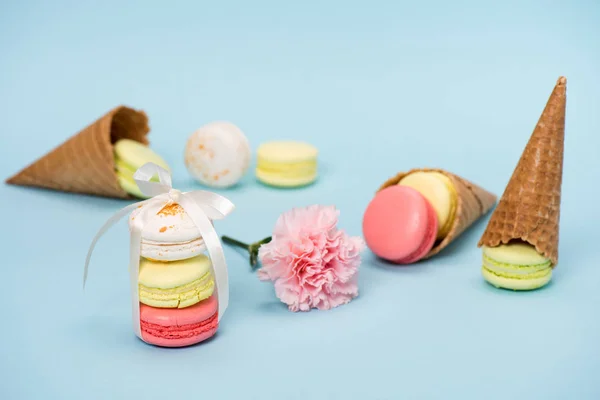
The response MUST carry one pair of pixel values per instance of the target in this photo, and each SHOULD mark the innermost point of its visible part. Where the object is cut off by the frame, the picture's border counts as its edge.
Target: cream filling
(160, 250)
(167, 244)
(529, 277)
(516, 271)
(179, 297)
(297, 173)
(294, 169)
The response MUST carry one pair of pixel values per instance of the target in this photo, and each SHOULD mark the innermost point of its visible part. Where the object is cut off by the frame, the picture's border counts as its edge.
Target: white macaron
(218, 154)
(168, 232)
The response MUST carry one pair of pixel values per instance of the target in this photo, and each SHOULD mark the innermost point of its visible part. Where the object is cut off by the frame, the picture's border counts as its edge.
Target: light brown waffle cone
(472, 202)
(85, 162)
(529, 209)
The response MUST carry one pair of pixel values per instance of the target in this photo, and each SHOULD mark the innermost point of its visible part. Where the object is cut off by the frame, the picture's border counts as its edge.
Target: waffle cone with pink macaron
(416, 214)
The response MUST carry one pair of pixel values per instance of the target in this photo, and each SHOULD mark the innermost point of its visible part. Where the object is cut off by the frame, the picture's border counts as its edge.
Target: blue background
(378, 87)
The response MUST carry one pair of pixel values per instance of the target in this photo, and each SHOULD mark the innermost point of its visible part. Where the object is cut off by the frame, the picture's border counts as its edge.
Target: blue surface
(379, 87)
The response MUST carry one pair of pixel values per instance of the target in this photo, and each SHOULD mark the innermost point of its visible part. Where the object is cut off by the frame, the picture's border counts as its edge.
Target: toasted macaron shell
(400, 225)
(168, 234)
(218, 154)
(179, 327)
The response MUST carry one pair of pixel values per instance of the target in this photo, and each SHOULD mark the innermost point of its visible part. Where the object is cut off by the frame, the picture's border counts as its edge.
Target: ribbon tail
(107, 225)
(134, 269)
(213, 245)
(214, 205)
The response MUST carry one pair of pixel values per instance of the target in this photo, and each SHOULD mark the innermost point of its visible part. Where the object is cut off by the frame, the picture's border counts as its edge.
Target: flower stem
(251, 248)
(234, 242)
(264, 241)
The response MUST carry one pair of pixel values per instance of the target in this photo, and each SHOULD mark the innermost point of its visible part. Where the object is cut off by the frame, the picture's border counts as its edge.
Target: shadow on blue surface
(95, 330)
(42, 194)
(274, 306)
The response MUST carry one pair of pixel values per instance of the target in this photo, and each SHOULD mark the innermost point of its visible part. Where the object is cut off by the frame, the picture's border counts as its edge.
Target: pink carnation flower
(311, 262)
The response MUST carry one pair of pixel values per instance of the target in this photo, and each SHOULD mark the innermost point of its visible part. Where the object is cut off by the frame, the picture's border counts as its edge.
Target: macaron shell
(185, 336)
(173, 274)
(515, 270)
(179, 317)
(286, 164)
(428, 241)
(303, 166)
(129, 185)
(165, 223)
(445, 229)
(515, 253)
(179, 327)
(399, 225)
(284, 181)
(521, 284)
(176, 284)
(135, 154)
(125, 178)
(123, 168)
(178, 297)
(172, 251)
(127, 171)
(286, 151)
(218, 154)
(435, 189)
(516, 266)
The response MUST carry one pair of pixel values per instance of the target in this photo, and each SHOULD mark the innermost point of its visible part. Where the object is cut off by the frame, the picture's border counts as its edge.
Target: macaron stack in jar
(178, 304)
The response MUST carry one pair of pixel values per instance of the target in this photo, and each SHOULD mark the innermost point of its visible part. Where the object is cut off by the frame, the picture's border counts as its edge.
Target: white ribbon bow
(201, 206)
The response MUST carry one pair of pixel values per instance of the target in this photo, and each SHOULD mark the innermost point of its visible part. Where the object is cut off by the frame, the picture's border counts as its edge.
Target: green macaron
(129, 156)
(516, 266)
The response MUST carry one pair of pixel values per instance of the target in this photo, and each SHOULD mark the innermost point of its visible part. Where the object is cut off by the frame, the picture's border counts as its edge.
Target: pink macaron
(400, 225)
(178, 327)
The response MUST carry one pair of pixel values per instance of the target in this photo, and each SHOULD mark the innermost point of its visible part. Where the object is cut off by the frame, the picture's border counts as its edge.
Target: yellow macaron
(438, 189)
(286, 163)
(175, 284)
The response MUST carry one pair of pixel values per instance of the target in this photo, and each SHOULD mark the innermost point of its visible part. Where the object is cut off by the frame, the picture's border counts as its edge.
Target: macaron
(400, 225)
(168, 233)
(130, 155)
(286, 164)
(516, 266)
(176, 284)
(218, 154)
(439, 191)
(170, 327)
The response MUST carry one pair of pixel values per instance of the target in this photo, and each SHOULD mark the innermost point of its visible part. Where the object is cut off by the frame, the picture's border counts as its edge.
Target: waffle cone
(529, 209)
(85, 162)
(472, 202)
